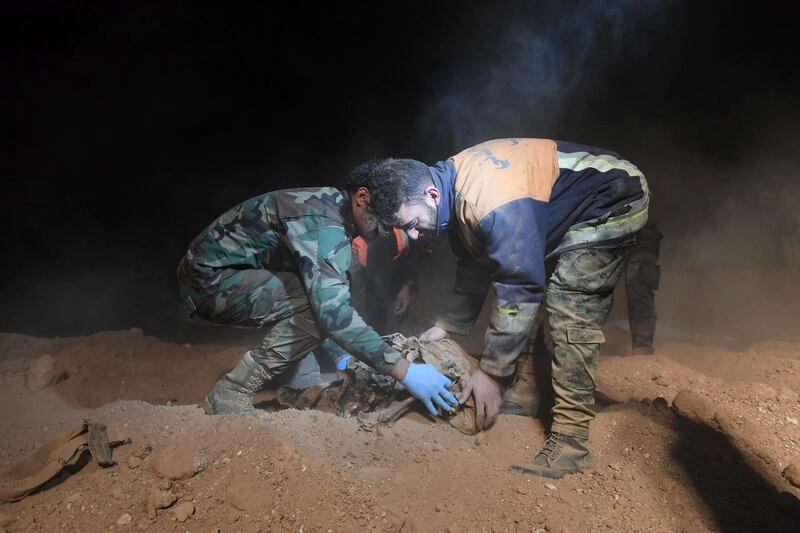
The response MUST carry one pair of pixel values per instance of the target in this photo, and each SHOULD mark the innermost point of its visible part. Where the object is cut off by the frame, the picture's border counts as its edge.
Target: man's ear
(363, 197)
(432, 192)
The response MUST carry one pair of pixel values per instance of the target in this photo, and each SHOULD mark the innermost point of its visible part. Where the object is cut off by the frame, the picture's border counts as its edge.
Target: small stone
(183, 511)
(550, 486)
(439, 507)
(521, 490)
(134, 462)
(480, 440)
(792, 474)
(124, 520)
(116, 493)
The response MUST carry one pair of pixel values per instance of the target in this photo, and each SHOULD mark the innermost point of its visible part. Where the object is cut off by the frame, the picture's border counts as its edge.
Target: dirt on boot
(561, 455)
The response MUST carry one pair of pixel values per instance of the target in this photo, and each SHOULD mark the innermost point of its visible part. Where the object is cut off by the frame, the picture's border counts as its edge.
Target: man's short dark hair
(391, 182)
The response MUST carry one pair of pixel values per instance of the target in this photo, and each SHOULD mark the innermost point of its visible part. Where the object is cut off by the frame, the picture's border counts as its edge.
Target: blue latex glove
(341, 364)
(430, 387)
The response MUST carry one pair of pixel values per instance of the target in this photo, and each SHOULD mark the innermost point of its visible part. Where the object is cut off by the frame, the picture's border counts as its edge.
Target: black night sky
(128, 126)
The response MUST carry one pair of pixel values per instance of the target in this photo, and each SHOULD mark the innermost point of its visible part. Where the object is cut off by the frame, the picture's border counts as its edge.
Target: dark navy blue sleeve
(514, 240)
(464, 304)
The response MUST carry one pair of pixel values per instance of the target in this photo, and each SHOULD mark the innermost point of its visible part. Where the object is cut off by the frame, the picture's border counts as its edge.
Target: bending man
(280, 261)
(509, 205)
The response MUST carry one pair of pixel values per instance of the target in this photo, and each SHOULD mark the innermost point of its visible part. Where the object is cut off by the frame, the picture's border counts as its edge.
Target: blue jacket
(511, 203)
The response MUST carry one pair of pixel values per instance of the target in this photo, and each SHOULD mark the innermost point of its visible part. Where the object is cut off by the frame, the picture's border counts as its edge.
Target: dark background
(127, 127)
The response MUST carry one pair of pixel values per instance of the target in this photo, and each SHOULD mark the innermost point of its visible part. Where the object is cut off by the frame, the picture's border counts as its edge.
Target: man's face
(419, 220)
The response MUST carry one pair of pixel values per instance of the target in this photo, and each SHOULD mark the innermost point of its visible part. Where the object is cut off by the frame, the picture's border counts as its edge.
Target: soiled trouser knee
(579, 297)
(275, 301)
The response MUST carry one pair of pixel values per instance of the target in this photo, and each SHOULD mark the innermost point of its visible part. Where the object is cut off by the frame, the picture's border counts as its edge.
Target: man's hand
(486, 390)
(434, 334)
(402, 300)
(430, 387)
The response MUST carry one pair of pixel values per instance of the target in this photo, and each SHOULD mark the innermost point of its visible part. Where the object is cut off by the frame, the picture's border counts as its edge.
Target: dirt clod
(181, 462)
(159, 499)
(183, 511)
(43, 372)
(792, 474)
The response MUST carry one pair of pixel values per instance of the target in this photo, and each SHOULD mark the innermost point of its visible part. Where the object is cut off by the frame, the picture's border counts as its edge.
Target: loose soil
(695, 438)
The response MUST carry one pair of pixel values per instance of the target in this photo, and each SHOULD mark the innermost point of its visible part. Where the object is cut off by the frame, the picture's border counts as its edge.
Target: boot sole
(538, 473)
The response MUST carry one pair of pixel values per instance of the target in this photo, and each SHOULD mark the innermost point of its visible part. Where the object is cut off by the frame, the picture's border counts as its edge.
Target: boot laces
(551, 446)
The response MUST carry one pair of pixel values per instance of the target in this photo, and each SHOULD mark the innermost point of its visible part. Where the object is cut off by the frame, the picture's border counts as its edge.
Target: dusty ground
(696, 438)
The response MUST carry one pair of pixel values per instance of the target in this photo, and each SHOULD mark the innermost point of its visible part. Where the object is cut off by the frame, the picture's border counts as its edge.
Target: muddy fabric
(579, 297)
(280, 261)
(30, 474)
(642, 277)
(362, 392)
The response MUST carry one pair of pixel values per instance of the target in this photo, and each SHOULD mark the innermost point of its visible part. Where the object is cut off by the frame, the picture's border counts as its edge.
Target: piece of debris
(124, 520)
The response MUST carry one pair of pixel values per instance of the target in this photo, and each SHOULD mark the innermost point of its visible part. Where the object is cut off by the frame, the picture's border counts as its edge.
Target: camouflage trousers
(578, 297)
(641, 283)
(275, 301)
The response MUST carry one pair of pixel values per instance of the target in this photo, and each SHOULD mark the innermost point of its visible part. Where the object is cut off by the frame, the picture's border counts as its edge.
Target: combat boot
(521, 397)
(561, 455)
(233, 394)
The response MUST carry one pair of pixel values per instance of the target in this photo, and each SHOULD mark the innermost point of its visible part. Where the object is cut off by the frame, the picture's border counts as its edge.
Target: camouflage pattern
(280, 261)
(642, 277)
(578, 299)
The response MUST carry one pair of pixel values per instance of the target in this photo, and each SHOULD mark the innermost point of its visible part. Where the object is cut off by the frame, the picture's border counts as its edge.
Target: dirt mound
(675, 450)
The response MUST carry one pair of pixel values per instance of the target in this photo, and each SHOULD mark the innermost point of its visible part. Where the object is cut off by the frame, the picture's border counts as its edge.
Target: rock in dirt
(792, 474)
(183, 511)
(181, 462)
(124, 520)
(43, 372)
(693, 406)
(134, 462)
(159, 499)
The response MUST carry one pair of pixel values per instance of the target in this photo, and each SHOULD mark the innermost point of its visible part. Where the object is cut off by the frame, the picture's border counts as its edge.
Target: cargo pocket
(585, 336)
(578, 371)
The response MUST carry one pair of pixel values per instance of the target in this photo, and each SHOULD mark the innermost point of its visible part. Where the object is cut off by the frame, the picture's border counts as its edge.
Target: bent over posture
(279, 261)
(511, 206)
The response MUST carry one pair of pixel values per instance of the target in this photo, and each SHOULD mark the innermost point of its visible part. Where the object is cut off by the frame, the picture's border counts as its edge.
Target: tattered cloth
(23, 478)
(362, 392)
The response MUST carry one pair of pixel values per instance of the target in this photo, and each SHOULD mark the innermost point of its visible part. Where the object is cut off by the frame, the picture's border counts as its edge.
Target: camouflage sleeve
(323, 255)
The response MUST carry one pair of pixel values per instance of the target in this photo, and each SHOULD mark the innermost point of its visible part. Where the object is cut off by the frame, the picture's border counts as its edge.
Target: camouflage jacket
(302, 231)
